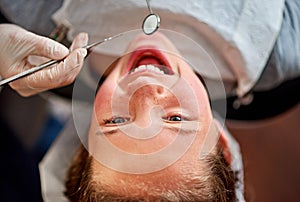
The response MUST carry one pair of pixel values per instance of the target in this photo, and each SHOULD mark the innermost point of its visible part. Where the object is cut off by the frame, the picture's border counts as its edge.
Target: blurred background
(268, 131)
(271, 156)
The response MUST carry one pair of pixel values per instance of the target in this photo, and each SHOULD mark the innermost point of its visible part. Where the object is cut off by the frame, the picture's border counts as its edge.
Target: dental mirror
(151, 22)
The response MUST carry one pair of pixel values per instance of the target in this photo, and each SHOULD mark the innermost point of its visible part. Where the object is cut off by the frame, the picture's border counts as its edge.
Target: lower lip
(140, 51)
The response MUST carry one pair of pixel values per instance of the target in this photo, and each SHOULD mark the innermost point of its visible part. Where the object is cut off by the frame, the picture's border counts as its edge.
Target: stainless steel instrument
(49, 63)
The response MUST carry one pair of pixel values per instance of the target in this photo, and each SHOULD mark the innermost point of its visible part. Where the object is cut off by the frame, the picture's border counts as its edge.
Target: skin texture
(144, 102)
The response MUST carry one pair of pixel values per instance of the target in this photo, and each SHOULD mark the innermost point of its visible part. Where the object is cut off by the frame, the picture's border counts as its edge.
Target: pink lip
(139, 52)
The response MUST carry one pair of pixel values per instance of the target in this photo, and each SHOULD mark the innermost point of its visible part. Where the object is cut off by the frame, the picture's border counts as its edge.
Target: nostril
(160, 90)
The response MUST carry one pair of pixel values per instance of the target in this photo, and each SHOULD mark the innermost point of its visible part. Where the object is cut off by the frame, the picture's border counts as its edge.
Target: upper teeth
(147, 67)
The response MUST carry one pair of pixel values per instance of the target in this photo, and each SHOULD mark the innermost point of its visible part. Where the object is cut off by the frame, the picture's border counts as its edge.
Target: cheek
(191, 79)
(201, 95)
(103, 98)
(203, 102)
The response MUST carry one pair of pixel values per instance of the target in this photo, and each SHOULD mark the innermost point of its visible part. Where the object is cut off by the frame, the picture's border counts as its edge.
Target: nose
(147, 104)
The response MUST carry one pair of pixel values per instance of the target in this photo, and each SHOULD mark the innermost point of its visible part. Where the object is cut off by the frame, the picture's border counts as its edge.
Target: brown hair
(219, 185)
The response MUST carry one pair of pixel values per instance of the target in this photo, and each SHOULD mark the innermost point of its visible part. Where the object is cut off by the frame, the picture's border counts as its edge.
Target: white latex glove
(17, 45)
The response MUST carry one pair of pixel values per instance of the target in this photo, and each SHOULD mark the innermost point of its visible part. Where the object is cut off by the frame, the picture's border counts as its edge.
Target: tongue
(148, 61)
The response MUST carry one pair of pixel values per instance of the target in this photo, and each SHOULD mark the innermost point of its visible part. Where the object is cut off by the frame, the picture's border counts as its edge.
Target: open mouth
(149, 60)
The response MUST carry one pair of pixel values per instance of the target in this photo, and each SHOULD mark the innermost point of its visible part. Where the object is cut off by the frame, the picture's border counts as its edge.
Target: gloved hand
(18, 45)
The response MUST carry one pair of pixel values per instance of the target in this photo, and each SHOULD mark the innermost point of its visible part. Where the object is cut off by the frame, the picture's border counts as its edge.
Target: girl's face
(151, 119)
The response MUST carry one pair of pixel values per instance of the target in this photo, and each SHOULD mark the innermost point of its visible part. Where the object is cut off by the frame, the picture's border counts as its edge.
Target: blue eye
(116, 120)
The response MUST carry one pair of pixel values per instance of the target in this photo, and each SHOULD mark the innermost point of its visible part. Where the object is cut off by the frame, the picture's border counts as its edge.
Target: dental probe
(49, 63)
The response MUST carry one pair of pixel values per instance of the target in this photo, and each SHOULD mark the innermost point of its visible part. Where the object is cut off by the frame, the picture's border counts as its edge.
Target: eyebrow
(182, 131)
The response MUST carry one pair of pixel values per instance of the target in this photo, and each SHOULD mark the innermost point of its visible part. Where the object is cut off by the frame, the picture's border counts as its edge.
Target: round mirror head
(151, 24)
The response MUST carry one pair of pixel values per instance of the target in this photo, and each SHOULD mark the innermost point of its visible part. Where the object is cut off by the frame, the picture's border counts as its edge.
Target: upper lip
(141, 52)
